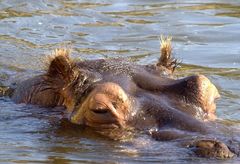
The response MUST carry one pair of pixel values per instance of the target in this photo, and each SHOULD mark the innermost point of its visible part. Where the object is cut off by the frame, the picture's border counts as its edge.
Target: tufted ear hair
(60, 65)
(166, 58)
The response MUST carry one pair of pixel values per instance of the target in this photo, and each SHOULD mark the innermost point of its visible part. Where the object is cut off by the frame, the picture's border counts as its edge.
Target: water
(206, 39)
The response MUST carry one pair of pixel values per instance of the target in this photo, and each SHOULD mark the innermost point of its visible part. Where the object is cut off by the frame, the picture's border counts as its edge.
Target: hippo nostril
(100, 111)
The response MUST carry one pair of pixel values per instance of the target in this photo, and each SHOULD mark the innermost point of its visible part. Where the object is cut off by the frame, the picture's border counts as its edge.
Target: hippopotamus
(120, 94)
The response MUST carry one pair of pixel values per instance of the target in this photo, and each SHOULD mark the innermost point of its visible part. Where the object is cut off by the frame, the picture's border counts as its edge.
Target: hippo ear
(166, 59)
(60, 65)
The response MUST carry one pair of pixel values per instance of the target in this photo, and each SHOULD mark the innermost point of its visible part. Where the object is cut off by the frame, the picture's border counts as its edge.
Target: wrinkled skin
(115, 93)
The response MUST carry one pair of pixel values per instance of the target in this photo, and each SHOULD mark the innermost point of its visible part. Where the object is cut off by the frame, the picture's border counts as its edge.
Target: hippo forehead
(86, 81)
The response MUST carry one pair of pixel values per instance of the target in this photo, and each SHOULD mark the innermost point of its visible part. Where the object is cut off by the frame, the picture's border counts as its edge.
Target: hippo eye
(100, 111)
(114, 105)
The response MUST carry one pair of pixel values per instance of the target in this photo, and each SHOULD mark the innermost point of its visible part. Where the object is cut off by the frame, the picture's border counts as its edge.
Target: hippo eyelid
(100, 111)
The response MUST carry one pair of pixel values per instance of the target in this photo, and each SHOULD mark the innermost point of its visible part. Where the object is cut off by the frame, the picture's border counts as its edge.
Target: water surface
(206, 38)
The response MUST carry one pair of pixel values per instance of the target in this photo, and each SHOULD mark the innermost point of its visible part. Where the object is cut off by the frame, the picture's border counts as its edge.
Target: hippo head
(99, 99)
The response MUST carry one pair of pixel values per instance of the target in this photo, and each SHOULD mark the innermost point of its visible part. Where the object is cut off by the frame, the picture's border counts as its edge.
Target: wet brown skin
(116, 93)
